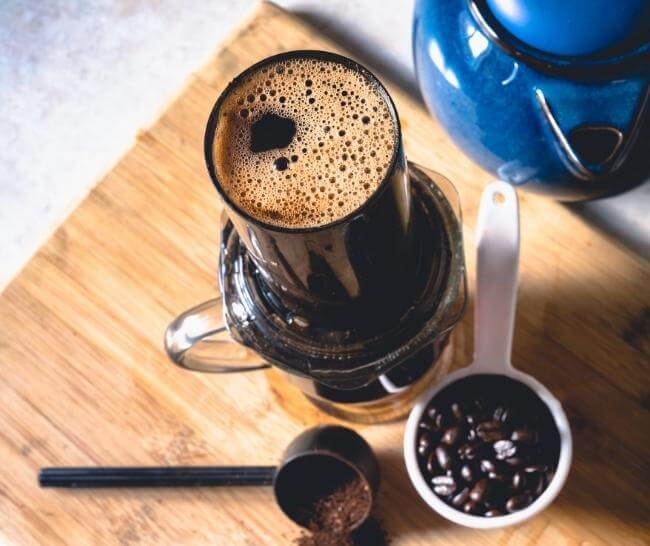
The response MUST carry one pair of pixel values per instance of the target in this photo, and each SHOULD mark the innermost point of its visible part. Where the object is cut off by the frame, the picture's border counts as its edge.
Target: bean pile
(487, 445)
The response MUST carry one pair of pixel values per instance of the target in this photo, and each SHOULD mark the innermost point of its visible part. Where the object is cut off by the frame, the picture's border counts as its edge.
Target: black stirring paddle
(316, 461)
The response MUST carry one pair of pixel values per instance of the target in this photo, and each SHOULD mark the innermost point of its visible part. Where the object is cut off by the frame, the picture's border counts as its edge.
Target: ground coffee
(336, 517)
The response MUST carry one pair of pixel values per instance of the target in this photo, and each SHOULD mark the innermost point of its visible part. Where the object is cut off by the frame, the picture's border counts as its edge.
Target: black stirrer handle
(172, 476)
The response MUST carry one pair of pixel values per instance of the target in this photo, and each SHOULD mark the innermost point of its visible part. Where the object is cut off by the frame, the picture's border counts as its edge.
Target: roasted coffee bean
(480, 490)
(471, 507)
(451, 436)
(498, 413)
(519, 481)
(518, 502)
(498, 477)
(504, 449)
(442, 479)
(525, 436)
(471, 435)
(426, 425)
(536, 482)
(503, 445)
(432, 416)
(487, 466)
(491, 435)
(488, 425)
(439, 418)
(496, 468)
(425, 442)
(460, 498)
(467, 473)
(470, 451)
(444, 460)
(491, 431)
(515, 461)
(432, 463)
(493, 513)
(423, 450)
(505, 416)
(442, 421)
(457, 412)
(443, 485)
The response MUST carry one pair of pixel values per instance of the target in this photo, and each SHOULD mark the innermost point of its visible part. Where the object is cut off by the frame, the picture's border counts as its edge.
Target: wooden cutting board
(84, 379)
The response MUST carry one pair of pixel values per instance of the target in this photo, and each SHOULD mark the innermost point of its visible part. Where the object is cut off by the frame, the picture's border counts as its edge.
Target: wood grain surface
(84, 379)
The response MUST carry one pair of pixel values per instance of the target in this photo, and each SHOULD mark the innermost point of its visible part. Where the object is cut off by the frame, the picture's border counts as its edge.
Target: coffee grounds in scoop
(487, 445)
(335, 516)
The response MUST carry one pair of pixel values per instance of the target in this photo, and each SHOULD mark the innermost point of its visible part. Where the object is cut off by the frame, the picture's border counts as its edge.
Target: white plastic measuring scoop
(496, 294)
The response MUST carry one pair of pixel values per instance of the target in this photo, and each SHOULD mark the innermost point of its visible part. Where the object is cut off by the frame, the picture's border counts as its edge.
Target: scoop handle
(171, 476)
(497, 271)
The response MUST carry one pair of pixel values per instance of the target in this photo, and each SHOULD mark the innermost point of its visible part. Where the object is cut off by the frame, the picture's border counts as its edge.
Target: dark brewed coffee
(271, 131)
(302, 142)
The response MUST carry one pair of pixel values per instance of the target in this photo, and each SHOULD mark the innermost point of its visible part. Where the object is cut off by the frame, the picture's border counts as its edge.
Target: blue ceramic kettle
(552, 95)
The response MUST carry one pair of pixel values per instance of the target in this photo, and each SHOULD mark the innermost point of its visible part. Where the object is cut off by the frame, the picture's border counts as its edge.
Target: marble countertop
(78, 79)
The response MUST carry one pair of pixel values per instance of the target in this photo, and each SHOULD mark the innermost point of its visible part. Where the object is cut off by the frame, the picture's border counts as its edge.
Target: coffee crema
(303, 142)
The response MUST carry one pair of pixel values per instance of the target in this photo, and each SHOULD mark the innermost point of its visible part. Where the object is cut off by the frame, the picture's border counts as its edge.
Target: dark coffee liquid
(270, 132)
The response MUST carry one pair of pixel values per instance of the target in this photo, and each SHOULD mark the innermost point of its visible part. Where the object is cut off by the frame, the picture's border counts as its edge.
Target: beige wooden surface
(84, 380)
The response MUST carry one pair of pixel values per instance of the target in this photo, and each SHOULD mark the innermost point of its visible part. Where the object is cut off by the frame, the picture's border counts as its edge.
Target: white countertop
(78, 79)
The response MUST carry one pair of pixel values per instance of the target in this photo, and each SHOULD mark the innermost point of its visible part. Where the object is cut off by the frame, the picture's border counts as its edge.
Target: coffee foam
(343, 145)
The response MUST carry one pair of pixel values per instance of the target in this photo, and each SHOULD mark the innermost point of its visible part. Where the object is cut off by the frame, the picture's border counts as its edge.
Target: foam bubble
(323, 174)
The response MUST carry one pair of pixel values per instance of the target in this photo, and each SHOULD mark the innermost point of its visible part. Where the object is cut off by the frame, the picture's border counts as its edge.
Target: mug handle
(198, 340)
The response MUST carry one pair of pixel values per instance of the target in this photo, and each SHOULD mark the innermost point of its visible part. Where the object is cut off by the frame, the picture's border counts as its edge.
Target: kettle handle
(198, 340)
(569, 156)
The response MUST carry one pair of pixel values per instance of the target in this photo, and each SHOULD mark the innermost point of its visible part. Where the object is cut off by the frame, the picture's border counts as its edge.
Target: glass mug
(356, 311)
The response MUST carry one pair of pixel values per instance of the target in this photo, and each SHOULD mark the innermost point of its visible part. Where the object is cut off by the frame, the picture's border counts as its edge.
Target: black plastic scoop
(317, 462)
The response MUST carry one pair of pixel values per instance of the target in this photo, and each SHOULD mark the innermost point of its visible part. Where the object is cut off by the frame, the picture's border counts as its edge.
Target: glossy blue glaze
(489, 98)
(572, 27)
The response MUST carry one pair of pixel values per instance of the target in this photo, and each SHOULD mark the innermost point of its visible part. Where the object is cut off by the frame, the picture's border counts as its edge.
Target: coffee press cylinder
(351, 272)
(356, 309)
